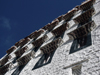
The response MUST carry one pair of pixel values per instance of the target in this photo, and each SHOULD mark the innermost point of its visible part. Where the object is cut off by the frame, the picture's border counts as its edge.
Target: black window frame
(74, 47)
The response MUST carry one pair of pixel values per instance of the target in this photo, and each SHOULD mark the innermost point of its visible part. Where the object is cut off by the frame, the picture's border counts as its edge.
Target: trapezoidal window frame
(77, 70)
(76, 42)
(75, 45)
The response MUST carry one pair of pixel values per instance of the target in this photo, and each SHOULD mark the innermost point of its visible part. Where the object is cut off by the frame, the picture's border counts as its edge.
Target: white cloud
(5, 22)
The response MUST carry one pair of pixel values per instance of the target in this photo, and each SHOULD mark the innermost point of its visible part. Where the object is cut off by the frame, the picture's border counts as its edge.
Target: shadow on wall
(18, 70)
(81, 43)
(76, 45)
(44, 60)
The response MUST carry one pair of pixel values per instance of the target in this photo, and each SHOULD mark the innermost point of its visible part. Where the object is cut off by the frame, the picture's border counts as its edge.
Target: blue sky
(18, 18)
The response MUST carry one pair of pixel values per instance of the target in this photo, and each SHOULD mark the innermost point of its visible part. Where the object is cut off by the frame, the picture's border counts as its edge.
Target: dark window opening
(48, 51)
(81, 43)
(44, 60)
(76, 70)
(82, 36)
(18, 70)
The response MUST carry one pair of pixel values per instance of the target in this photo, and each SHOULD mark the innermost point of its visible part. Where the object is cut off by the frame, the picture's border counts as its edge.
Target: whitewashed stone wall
(62, 62)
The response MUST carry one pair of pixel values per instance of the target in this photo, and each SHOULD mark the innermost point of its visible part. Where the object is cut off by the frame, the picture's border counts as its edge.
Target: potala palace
(69, 45)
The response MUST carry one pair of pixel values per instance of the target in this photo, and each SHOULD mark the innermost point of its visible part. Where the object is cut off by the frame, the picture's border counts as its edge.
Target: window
(81, 43)
(48, 50)
(44, 60)
(22, 62)
(76, 67)
(76, 70)
(82, 36)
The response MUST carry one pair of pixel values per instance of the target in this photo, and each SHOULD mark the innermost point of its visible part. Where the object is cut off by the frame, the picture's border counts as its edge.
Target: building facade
(69, 45)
